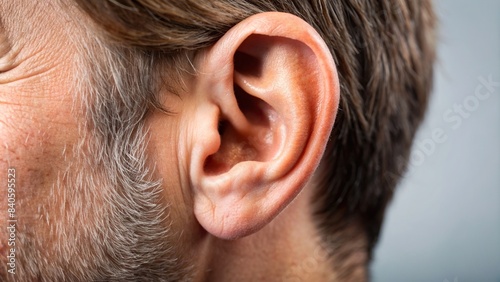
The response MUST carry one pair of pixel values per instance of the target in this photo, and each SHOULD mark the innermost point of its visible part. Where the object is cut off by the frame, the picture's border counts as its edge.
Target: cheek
(37, 146)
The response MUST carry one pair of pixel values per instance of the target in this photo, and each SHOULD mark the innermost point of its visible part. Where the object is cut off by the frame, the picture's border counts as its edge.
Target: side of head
(383, 53)
(220, 112)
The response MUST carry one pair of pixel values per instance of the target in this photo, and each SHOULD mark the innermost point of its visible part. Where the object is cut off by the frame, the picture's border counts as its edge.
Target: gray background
(444, 223)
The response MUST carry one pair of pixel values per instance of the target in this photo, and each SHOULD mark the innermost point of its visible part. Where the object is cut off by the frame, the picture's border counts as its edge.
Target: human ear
(266, 95)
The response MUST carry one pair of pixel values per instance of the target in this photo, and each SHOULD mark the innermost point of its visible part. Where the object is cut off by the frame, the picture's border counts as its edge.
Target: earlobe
(269, 94)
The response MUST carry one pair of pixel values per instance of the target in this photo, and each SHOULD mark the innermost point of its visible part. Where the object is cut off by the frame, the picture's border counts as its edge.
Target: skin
(36, 118)
(40, 135)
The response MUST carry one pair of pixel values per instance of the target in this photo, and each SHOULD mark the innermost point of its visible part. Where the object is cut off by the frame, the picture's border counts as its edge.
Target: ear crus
(266, 98)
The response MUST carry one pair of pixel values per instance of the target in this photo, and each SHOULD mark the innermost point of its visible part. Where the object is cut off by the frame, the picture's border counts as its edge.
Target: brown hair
(384, 51)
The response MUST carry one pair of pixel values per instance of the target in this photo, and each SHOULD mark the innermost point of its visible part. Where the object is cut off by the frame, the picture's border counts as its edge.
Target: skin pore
(81, 214)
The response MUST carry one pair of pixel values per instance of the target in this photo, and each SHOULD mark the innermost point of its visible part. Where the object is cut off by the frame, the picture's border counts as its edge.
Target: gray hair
(111, 222)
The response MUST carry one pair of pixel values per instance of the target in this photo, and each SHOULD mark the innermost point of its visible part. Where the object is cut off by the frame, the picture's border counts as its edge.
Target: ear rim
(233, 223)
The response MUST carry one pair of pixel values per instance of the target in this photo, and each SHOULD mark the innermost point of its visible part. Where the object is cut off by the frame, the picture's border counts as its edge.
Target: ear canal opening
(221, 127)
(255, 144)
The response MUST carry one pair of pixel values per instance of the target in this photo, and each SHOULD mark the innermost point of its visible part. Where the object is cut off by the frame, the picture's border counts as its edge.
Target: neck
(287, 249)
